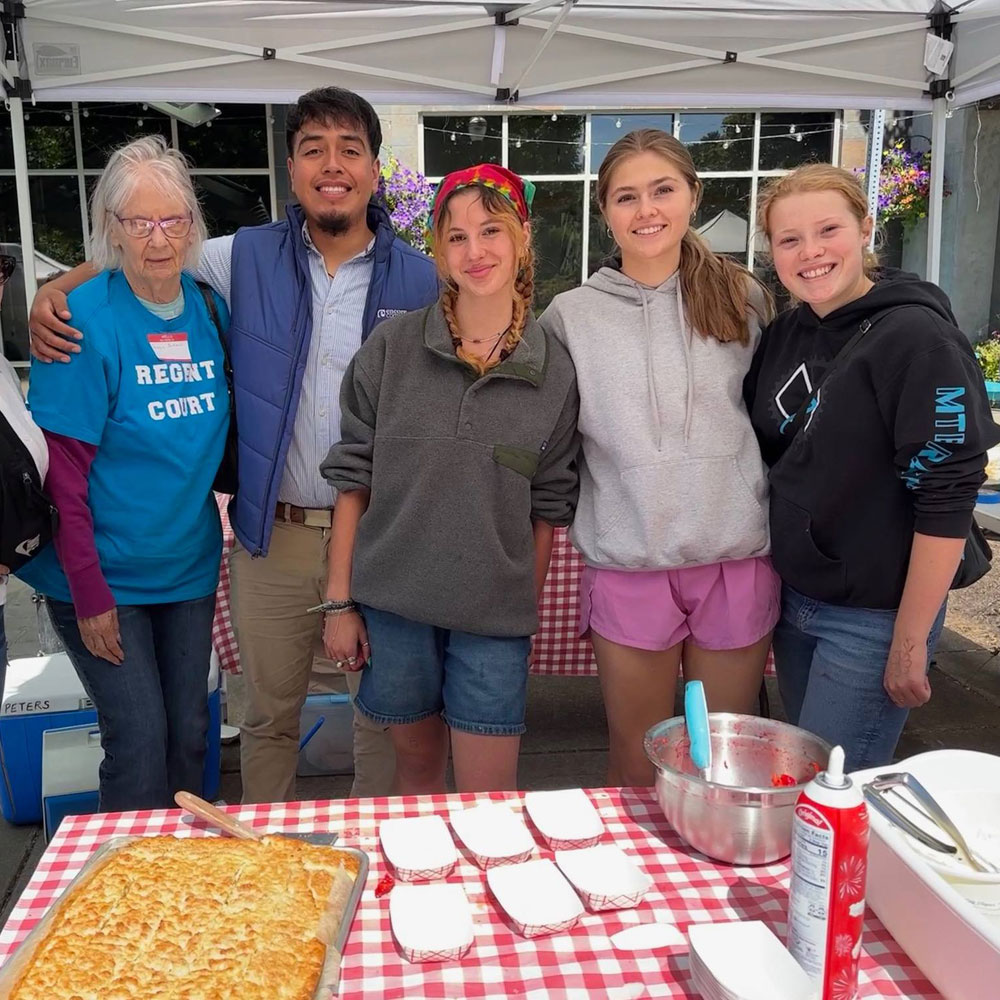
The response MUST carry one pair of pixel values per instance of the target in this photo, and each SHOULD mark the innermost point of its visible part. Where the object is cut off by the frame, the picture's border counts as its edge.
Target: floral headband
(520, 193)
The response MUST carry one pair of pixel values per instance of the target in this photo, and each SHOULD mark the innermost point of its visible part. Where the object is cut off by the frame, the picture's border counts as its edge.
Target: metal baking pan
(329, 979)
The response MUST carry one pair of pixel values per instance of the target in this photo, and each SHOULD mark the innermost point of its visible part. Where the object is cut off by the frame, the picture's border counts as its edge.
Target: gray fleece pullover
(671, 474)
(458, 467)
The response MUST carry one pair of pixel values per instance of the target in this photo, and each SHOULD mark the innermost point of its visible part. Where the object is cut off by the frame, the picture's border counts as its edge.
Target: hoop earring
(611, 235)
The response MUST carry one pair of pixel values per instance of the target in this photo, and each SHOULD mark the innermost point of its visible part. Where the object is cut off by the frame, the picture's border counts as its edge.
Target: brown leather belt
(309, 516)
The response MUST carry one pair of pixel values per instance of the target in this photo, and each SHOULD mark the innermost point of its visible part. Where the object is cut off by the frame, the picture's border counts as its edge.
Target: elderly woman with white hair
(136, 426)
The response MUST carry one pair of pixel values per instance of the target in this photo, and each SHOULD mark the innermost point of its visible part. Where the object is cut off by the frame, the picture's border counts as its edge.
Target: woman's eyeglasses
(142, 228)
(8, 265)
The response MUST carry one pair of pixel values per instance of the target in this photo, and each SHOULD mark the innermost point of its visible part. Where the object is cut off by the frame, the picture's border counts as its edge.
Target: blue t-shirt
(151, 394)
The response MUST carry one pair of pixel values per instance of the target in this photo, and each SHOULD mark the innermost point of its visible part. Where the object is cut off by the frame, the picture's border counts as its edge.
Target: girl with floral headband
(457, 459)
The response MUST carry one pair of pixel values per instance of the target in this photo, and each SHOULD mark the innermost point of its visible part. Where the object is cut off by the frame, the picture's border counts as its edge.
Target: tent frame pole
(23, 199)
(876, 135)
(935, 200)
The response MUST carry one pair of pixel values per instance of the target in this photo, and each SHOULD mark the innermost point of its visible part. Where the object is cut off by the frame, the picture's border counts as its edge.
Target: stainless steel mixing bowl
(737, 816)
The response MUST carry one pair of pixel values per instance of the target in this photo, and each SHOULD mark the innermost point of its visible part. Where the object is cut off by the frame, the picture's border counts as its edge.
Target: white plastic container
(955, 945)
(493, 834)
(566, 819)
(605, 876)
(431, 923)
(536, 897)
(419, 848)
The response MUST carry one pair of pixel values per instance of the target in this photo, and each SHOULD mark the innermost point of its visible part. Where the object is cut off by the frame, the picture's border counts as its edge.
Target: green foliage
(988, 356)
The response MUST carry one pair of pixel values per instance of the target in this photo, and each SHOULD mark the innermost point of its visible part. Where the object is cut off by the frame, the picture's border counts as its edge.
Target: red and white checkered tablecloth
(557, 648)
(578, 963)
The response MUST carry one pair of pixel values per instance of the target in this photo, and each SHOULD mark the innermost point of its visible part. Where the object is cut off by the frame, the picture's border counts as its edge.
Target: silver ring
(366, 644)
(352, 660)
(338, 663)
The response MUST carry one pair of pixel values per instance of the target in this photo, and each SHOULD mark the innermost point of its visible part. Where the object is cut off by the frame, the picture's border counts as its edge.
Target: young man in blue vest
(304, 294)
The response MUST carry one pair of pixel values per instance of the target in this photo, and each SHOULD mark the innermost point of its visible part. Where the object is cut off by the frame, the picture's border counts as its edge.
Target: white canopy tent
(870, 54)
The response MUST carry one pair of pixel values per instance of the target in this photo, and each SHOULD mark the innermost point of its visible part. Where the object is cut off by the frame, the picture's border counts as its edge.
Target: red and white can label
(827, 898)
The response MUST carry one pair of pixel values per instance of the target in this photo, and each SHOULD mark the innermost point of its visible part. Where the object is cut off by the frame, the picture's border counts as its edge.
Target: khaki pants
(278, 641)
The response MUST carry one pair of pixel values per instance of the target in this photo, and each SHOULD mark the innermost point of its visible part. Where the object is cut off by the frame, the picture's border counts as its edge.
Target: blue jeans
(152, 709)
(477, 683)
(3, 651)
(830, 662)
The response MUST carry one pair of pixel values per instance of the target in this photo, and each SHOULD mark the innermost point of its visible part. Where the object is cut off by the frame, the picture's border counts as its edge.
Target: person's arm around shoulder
(51, 336)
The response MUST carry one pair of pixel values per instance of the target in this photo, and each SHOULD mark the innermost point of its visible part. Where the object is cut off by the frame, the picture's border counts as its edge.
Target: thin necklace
(482, 340)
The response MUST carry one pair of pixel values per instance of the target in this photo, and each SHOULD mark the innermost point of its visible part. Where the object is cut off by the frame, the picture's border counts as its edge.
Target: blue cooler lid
(988, 496)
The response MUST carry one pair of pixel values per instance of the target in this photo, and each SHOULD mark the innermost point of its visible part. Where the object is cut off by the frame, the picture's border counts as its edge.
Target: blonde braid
(524, 295)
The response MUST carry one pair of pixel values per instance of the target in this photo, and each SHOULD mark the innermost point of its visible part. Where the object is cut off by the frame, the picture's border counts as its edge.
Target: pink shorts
(726, 605)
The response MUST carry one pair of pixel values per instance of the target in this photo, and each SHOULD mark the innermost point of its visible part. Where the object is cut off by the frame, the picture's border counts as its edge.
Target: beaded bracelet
(336, 607)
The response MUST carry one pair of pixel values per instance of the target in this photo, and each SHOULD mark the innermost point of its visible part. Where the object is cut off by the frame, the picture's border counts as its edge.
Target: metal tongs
(877, 791)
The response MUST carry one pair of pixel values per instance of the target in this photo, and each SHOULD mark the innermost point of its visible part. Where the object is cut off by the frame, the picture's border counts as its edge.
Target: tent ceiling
(652, 53)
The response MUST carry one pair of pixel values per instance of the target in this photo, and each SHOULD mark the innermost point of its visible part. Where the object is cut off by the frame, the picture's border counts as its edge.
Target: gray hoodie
(671, 474)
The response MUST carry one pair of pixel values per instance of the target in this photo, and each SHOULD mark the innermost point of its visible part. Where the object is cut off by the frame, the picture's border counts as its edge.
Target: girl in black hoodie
(872, 415)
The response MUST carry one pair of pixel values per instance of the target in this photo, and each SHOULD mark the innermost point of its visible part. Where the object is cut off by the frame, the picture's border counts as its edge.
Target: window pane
(458, 141)
(231, 202)
(764, 270)
(606, 130)
(538, 145)
(558, 215)
(724, 214)
(13, 315)
(55, 211)
(795, 137)
(48, 136)
(719, 142)
(105, 127)
(237, 138)
(6, 142)
(600, 245)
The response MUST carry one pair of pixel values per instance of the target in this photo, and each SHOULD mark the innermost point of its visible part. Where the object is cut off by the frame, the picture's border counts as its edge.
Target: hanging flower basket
(904, 185)
(407, 195)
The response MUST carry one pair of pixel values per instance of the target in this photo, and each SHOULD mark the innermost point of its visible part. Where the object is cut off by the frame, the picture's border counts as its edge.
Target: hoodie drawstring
(688, 366)
(654, 401)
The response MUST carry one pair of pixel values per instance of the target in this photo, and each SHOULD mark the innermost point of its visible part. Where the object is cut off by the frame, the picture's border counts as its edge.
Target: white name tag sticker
(170, 346)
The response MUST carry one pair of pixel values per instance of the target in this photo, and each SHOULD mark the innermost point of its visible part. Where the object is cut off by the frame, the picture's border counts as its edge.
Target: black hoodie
(895, 445)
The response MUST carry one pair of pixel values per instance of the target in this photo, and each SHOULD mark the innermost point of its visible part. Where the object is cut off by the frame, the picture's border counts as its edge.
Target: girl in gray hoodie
(672, 518)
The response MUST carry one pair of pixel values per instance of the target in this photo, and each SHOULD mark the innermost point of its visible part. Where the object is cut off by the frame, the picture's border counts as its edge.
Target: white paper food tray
(493, 834)
(535, 896)
(605, 876)
(954, 945)
(566, 819)
(431, 923)
(419, 848)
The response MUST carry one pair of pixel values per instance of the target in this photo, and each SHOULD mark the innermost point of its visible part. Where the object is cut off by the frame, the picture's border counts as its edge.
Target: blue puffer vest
(269, 339)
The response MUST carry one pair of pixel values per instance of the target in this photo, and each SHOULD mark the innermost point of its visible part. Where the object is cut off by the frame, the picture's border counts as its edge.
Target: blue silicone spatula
(696, 719)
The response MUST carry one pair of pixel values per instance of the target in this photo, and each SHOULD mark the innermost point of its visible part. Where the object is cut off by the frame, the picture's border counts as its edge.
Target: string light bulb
(798, 136)
(86, 113)
(68, 116)
(555, 117)
(453, 138)
(791, 129)
(739, 130)
(517, 145)
(140, 123)
(725, 144)
(618, 123)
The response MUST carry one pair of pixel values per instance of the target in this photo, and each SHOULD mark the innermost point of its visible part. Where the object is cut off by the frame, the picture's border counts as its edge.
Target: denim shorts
(477, 683)
(830, 661)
